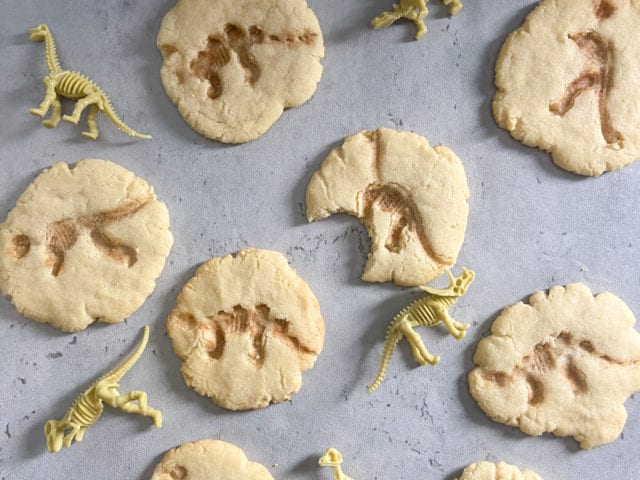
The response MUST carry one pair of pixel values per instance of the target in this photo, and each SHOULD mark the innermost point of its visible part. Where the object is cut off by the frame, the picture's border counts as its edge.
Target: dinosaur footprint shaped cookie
(411, 197)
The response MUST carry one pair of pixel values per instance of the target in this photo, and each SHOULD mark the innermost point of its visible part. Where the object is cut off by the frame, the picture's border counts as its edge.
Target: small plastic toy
(426, 312)
(413, 10)
(76, 86)
(87, 407)
(333, 458)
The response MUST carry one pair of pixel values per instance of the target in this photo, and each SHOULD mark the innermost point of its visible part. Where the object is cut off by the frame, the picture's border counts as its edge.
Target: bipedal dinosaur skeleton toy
(87, 407)
(413, 10)
(76, 86)
(424, 312)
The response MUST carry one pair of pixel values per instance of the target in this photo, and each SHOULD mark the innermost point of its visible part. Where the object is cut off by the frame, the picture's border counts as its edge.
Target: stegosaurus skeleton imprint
(87, 408)
(76, 86)
(424, 312)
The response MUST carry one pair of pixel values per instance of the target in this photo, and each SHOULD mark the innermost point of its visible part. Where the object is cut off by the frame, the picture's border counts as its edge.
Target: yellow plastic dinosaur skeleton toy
(413, 10)
(426, 312)
(333, 458)
(87, 407)
(76, 86)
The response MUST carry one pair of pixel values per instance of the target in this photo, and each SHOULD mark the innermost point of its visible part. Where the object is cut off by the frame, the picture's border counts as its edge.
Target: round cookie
(411, 197)
(208, 460)
(564, 81)
(233, 66)
(565, 363)
(496, 471)
(246, 327)
(84, 243)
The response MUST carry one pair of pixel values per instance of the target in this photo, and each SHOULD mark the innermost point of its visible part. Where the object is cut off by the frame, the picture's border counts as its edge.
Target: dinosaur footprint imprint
(237, 41)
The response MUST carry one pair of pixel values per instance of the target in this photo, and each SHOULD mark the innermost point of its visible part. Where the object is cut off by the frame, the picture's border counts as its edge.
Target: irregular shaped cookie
(565, 79)
(246, 327)
(233, 66)
(208, 460)
(565, 364)
(83, 244)
(496, 471)
(411, 197)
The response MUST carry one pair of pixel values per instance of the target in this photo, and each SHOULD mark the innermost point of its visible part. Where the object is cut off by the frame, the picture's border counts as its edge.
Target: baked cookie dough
(208, 460)
(84, 243)
(496, 471)
(565, 363)
(567, 80)
(233, 66)
(411, 197)
(246, 327)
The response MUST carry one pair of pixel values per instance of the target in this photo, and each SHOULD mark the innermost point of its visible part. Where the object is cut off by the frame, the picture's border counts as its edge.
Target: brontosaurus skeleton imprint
(63, 234)
(209, 62)
(597, 76)
(256, 322)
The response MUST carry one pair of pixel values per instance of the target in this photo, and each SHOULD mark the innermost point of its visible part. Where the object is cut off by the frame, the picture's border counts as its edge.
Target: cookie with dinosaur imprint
(232, 66)
(411, 197)
(565, 363)
(496, 471)
(566, 82)
(84, 243)
(246, 327)
(208, 460)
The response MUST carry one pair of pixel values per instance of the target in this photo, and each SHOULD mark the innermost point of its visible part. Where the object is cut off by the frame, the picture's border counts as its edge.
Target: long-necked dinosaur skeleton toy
(333, 458)
(73, 85)
(424, 312)
(87, 407)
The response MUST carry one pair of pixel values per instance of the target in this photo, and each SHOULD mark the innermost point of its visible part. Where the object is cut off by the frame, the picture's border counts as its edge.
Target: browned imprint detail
(176, 472)
(597, 76)
(20, 246)
(63, 234)
(603, 9)
(239, 320)
(556, 354)
(395, 200)
(209, 62)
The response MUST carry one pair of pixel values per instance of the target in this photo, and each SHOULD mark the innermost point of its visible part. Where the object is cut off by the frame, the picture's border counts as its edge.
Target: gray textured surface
(531, 226)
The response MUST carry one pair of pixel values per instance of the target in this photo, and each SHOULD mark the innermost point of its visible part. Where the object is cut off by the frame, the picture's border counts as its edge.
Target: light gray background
(531, 225)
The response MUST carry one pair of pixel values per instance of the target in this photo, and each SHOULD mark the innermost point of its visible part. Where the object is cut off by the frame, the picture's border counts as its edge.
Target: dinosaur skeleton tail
(115, 119)
(394, 335)
(118, 372)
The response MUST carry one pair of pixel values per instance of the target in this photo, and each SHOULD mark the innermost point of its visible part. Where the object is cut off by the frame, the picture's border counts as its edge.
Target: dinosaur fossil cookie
(246, 327)
(565, 363)
(84, 243)
(411, 197)
(565, 79)
(233, 66)
(208, 460)
(496, 471)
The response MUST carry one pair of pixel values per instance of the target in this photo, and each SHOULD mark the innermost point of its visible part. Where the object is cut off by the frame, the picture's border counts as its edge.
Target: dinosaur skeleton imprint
(209, 62)
(426, 312)
(256, 322)
(556, 354)
(20, 246)
(603, 9)
(88, 406)
(76, 86)
(333, 458)
(393, 199)
(597, 76)
(63, 234)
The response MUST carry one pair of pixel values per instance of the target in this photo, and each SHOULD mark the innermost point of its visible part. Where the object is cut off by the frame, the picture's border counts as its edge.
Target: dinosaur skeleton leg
(455, 330)
(420, 352)
(92, 122)
(54, 119)
(49, 96)
(81, 104)
(125, 402)
(76, 433)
